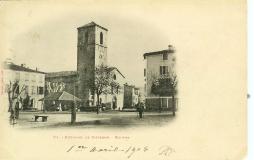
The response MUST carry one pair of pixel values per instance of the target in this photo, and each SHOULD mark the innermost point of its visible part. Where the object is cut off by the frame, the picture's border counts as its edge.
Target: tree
(104, 83)
(25, 102)
(14, 93)
(54, 87)
(166, 85)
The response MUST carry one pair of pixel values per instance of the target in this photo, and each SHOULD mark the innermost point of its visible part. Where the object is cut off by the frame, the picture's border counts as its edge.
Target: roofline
(33, 71)
(27, 69)
(158, 52)
(92, 25)
(113, 68)
(120, 72)
(52, 76)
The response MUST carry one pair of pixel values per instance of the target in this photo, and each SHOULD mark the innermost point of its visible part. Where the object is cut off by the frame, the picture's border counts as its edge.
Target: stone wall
(90, 53)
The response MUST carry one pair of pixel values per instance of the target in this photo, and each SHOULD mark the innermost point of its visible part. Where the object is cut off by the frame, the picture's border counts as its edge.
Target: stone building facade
(71, 83)
(68, 78)
(91, 52)
(131, 96)
(158, 64)
(31, 85)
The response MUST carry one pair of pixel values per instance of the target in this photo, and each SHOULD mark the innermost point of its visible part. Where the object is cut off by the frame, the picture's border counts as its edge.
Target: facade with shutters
(157, 64)
(31, 85)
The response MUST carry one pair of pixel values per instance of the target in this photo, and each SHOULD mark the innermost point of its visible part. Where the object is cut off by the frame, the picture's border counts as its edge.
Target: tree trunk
(173, 101)
(73, 113)
(98, 102)
(10, 101)
(12, 112)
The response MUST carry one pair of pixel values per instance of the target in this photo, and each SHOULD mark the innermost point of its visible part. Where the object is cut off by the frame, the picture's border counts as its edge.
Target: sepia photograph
(123, 80)
(95, 94)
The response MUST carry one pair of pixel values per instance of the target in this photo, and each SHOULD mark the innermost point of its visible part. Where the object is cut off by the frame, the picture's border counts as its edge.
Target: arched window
(101, 38)
(114, 77)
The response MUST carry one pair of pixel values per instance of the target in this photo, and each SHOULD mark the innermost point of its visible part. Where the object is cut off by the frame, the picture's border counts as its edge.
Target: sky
(48, 41)
(44, 35)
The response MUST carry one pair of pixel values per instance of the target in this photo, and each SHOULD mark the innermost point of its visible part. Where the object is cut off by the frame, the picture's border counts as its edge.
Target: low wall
(160, 103)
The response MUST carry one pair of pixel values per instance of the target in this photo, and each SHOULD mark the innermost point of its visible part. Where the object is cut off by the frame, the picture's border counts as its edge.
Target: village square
(95, 94)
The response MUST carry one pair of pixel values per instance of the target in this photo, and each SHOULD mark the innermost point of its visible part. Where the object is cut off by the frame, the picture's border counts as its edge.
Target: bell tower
(91, 52)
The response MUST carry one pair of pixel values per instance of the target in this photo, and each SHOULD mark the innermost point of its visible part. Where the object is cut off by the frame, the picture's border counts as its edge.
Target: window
(40, 90)
(86, 37)
(26, 89)
(136, 92)
(101, 38)
(40, 78)
(114, 77)
(117, 89)
(163, 70)
(33, 90)
(165, 56)
(33, 78)
(26, 77)
(17, 76)
(144, 72)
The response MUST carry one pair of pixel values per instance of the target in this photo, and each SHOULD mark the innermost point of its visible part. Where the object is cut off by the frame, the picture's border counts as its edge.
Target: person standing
(140, 110)
(17, 110)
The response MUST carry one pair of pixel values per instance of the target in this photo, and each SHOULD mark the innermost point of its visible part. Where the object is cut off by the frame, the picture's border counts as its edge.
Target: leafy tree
(14, 93)
(104, 83)
(166, 85)
(54, 87)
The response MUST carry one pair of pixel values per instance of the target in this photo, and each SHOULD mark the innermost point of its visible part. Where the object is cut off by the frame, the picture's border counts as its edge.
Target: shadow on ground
(101, 122)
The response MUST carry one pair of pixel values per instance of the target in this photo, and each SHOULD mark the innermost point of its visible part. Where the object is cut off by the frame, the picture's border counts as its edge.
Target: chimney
(23, 65)
(171, 48)
(36, 69)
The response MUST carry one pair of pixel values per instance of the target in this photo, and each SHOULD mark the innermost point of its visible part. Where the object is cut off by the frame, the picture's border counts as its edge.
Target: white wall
(100, 49)
(26, 79)
(152, 64)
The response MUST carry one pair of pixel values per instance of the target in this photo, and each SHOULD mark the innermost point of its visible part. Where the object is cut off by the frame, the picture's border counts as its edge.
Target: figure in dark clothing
(73, 113)
(140, 110)
(17, 110)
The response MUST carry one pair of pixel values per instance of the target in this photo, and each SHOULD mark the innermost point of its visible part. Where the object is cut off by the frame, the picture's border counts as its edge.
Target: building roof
(131, 86)
(91, 24)
(61, 74)
(171, 50)
(75, 73)
(114, 68)
(60, 96)
(12, 66)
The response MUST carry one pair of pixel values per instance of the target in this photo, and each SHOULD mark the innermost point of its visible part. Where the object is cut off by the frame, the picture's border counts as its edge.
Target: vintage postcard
(162, 80)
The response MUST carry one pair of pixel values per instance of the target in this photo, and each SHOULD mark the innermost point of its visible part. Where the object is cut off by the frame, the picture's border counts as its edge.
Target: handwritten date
(129, 151)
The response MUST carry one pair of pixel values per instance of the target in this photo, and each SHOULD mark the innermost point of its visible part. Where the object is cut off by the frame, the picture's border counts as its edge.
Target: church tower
(91, 52)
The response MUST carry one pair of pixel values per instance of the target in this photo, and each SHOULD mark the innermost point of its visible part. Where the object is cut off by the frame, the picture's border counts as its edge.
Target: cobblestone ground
(113, 119)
